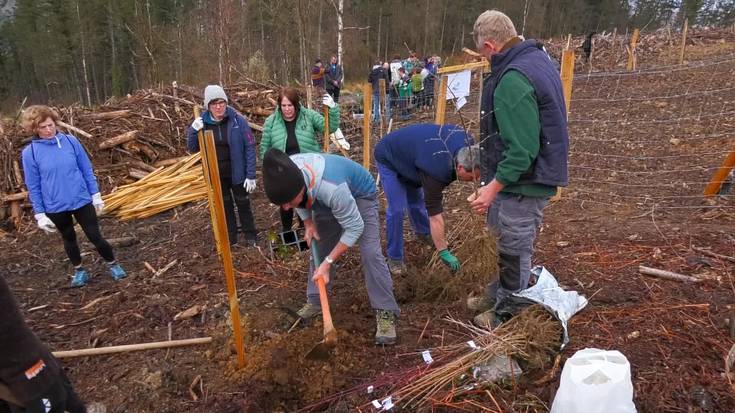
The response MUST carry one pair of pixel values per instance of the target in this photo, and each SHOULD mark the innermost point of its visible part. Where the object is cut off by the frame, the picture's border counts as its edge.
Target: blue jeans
(376, 108)
(399, 197)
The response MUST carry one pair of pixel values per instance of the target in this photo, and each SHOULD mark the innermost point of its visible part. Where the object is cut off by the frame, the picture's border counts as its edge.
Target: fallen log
(16, 172)
(137, 174)
(257, 111)
(131, 347)
(119, 139)
(170, 161)
(714, 254)
(15, 214)
(668, 275)
(109, 115)
(141, 165)
(73, 129)
(20, 196)
(175, 99)
(139, 148)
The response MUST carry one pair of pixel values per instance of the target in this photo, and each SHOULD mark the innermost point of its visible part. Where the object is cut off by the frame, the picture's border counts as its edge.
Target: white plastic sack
(546, 291)
(595, 381)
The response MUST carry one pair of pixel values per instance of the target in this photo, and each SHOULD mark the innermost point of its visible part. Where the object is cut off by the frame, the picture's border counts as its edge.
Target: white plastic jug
(595, 381)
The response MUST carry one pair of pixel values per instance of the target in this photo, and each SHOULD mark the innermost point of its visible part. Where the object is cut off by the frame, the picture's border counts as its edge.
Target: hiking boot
(485, 320)
(81, 276)
(480, 304)
(385, 331)
(309, 311)
(396, 267)
(426, 239)
(117, 272)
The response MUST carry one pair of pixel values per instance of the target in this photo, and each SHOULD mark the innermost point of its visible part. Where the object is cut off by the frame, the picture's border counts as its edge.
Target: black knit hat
(282, 179)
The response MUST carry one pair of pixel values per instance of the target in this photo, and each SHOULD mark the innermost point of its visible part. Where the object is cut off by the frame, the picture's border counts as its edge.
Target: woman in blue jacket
(61, 185)
(235, 149)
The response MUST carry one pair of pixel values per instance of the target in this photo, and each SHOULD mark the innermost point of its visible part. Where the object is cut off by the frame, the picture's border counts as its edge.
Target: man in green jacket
(524, 145)
(293, 128)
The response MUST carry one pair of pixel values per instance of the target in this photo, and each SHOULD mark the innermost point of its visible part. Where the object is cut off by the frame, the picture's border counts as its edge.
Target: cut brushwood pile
(609, 48)
(161, 190)
(129, 138)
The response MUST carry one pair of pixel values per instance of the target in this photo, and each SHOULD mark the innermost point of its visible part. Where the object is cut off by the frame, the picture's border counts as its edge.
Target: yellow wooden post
(441, 101)
(567, 76)
(683, 40)
(325, 145)
(613, 57)
(632, 59)
(381, 104)
(205, 167)
(719, 177)
(220, 229)
(367, 109)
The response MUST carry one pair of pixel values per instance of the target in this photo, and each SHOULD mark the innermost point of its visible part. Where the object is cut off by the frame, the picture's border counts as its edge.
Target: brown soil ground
(674, 334)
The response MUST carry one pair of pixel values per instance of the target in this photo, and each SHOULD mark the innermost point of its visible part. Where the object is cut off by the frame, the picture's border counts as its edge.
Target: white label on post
(427, 357)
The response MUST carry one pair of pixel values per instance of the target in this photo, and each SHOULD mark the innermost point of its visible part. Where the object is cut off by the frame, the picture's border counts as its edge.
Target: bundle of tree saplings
(161, 190)
(530, 337)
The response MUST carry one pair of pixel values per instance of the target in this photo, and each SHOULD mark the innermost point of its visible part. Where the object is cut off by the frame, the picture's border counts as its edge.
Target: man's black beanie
(282, 179)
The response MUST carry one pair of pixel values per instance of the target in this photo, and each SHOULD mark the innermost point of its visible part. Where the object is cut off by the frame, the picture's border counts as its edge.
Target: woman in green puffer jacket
(293, 128)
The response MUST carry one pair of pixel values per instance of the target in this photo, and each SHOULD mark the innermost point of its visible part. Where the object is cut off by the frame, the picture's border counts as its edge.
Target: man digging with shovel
(337, 200)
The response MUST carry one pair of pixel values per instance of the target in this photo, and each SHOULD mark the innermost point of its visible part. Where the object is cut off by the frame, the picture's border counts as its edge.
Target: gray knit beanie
(213, 92)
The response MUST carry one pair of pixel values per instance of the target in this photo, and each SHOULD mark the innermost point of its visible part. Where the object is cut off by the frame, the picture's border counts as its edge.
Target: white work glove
(339, 139)
(198, 124)
(328, 101)
(45, 223)
(249, 185)
(98, 203)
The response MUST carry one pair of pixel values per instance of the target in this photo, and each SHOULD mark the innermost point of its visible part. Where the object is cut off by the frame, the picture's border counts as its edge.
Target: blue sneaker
(117, 272)
(81, 276)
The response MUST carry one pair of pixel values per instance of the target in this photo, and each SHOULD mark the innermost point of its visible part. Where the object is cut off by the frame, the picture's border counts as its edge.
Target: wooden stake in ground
(713, 188)
(366, 110)
(325, 149)
(206, 147)
(632, 57)
(683, 40)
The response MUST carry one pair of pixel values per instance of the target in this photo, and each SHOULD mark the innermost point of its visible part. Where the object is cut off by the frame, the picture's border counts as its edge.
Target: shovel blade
(319, 352)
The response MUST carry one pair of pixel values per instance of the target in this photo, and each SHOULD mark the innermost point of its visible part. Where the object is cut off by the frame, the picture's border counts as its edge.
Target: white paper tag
(377, 404)
(387, 403)
(427, 356)
(370, 389)
(472, 344)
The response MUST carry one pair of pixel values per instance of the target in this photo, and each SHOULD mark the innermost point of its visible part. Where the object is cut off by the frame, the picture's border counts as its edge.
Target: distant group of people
(409, 83)
(520, 161)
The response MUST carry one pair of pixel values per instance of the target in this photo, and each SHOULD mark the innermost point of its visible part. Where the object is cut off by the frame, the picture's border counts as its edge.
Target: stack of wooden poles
(161, 190)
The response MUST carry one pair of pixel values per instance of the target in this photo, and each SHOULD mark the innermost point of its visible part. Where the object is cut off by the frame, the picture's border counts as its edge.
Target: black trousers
(287, 219)
(59, 398)
(236, 195)
(334, 92)
(87, 219)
